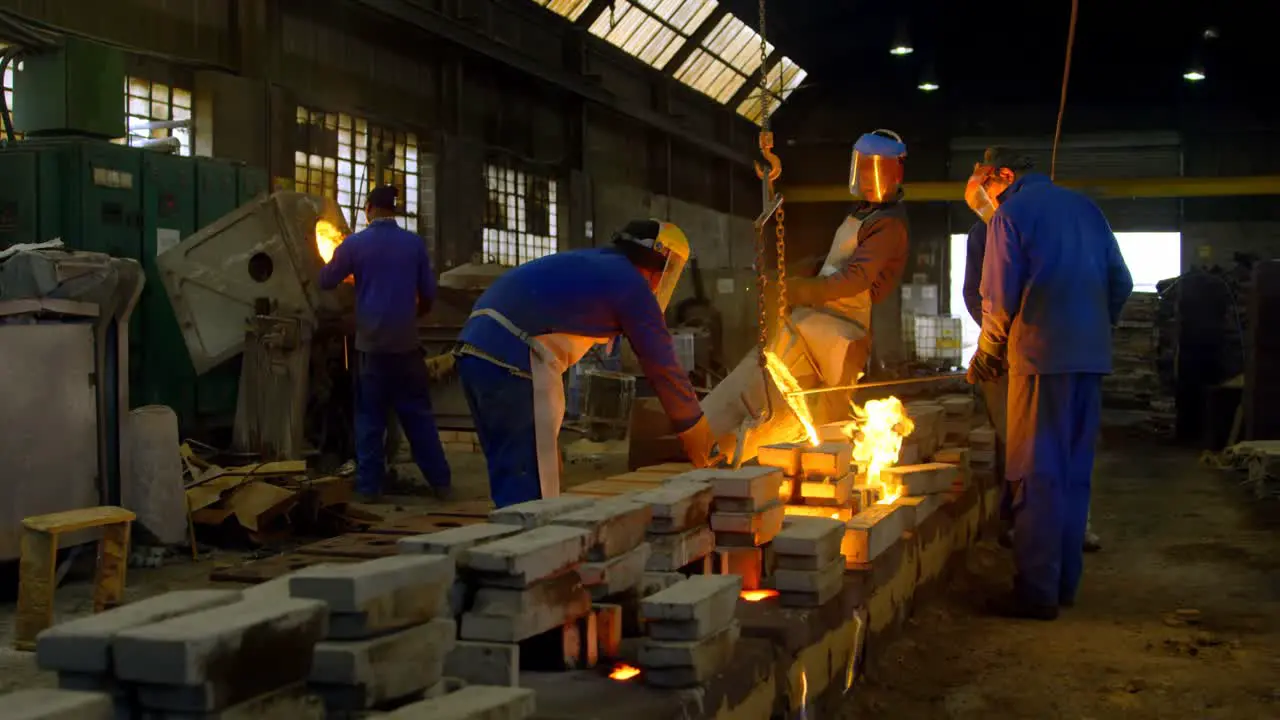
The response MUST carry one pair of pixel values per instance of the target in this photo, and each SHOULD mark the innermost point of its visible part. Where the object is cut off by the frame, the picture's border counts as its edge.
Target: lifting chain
(773, 204)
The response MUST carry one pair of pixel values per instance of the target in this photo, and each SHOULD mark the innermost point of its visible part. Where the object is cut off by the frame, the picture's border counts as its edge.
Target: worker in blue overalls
(1053, 285)
(394, 285)
(539, 319)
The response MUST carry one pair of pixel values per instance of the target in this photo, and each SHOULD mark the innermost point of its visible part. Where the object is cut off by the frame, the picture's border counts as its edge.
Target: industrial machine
(67, 180)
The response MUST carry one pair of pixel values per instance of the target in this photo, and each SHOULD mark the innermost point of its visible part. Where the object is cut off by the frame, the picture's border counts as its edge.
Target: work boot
(1092, 543)
(1013, 605)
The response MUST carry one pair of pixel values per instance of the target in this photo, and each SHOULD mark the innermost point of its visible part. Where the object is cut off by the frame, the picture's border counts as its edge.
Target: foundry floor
(1178, 537)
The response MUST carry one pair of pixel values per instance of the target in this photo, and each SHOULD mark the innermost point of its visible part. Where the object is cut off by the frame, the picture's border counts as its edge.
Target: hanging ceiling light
(1194, 74)
(928, 80)
(901, 46)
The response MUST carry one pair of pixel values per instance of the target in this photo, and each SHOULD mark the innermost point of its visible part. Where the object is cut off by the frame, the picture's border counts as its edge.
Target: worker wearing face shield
(542, 317)
(1053, 285)
(832, 311)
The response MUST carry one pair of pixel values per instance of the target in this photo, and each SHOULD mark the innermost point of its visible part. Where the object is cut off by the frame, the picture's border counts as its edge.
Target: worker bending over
(1053, 285)
(864, 265)
(995, 393)
(539, 319)
(394, 285)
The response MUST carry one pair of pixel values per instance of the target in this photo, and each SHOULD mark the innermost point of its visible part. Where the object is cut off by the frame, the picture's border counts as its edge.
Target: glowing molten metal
(787, 384)
(328, 238)
(754, 596)
(624, 672)
(877, 439)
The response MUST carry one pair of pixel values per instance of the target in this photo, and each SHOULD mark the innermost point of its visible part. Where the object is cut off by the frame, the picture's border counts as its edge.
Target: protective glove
(987, 363)
(440, 366)
(699, 445)
(804, 292)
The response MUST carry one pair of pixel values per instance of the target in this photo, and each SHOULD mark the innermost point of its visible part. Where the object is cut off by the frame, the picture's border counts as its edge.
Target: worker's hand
(440, 366)
(985, 367)
(699, 445)
(803, 292)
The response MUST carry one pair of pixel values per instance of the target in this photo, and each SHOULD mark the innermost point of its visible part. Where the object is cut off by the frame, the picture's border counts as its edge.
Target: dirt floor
(1178, 617)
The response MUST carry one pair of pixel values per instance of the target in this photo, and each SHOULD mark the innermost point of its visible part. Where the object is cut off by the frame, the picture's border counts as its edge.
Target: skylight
(786, 72)
(651, 30)
(727, 57)
(570, 9)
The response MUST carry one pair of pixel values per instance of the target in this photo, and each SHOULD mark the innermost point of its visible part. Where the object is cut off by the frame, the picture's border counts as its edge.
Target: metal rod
(881, 383)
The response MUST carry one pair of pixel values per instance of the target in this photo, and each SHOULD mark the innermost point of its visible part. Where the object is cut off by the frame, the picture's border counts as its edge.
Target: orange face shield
(977, 191)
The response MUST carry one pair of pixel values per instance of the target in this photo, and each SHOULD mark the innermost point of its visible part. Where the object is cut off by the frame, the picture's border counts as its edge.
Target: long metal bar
(1107, 189)
(881, 383)
(445, 28)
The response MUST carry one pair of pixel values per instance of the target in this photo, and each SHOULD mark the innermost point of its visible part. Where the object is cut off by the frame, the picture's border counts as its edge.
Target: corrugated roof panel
(637, 31)
(783, 79)
(571, 9)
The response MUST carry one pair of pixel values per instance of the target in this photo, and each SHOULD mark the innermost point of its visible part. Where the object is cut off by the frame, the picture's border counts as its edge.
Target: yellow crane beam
(1108, 189)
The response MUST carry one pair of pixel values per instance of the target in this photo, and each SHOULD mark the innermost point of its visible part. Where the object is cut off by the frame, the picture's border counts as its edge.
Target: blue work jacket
(1053, 280)
(594, 292)
(393, 276)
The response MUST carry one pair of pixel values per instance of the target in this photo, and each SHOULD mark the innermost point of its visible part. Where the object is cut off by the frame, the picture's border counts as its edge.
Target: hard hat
(876, 166)
(670, 249)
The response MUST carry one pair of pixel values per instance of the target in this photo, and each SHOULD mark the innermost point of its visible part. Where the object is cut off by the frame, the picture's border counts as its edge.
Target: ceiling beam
(593, 11)
(753, 82)
(696, 37)
(443, 27)
(1098, 189)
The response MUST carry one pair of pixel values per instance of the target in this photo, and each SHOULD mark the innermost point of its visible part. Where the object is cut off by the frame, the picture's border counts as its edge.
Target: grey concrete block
(693, 609)
(655, 582)
(813, 537)
(685, 664)
(293, 703)
(766, 523)
(812, 589)
(614, 576)
(506, 615)
(476, 702)
(753, 482)
(225, 655)
(784, 456)
(484, 663)
(808, 581)
(669, 553)
(927, 479)
(824, 490)
(455, 541)
(524, 559)
(617, 526)
(83, 645)
(677, 506)
(379, 595)
(873, 531)
(49, 704)
(386, 667)
(921, 507)
(830, 458)
(537, 513)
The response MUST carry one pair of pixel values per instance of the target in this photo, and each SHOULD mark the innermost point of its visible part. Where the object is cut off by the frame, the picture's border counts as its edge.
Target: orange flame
(328, 238)
(877, 433)
(754, 596)
(623, 672)
(787, 384)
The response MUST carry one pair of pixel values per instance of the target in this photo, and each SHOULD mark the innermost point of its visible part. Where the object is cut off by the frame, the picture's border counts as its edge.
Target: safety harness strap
(505, 322)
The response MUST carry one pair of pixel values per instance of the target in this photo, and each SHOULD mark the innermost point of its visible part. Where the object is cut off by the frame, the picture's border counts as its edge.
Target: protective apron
(550, 356)
(829, 330)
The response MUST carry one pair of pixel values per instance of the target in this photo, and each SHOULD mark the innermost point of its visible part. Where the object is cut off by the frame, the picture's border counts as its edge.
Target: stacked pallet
(810, 567)
(747, 512)
(692, 631)
(679, 532)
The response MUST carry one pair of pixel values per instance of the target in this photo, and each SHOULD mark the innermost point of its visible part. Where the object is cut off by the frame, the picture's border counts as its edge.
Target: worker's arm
(340, 266)
(643, 326)
(976, 250)
(1004, 268)
(1119, 280)
(884, 239)
(426, 282)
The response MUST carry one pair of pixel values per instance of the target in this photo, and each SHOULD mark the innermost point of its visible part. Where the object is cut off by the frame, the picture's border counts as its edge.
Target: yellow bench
(37, 574)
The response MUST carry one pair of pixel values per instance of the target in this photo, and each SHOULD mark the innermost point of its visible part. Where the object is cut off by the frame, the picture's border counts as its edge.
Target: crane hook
(768, 175)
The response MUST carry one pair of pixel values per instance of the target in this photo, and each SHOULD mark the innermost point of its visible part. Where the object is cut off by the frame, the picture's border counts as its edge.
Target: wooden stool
(37, 575)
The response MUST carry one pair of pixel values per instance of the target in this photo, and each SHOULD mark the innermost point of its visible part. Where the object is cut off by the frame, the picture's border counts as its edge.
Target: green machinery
(67, 180)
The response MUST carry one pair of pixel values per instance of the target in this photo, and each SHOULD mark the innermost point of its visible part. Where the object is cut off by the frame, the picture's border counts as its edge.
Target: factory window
(341, 156)
(154, 111)
(1151, 257)
(728, 56)
(8, 88)
(569, 9)
(784, 77)
(652, 30)
(521, 216)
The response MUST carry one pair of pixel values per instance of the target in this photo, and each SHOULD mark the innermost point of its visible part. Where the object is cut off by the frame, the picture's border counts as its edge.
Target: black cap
(383, 197)
(1003, 157)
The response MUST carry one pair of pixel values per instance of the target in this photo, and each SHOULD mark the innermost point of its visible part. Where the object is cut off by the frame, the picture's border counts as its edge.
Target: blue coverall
(393, 280)
(594, 292)
(995, 393)
(1053, 285)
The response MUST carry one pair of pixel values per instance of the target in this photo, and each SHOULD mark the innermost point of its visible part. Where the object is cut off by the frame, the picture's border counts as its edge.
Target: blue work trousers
(502, 406)
(396, 381)
(1053, 423)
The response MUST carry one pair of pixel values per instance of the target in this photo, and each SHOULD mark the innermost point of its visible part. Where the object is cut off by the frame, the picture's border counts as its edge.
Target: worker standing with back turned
(995, 393)
(1053, 285)
(539, 319)
(394, 286)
